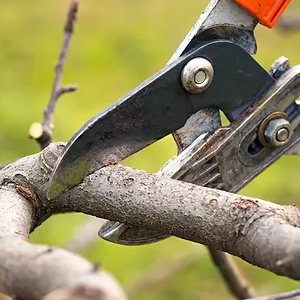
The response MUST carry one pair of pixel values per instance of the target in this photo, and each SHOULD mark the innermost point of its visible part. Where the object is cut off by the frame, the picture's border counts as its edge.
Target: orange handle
(266, 11)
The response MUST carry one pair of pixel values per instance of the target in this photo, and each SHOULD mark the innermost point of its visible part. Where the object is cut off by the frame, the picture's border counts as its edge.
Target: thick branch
(33, 271)
(263, 233)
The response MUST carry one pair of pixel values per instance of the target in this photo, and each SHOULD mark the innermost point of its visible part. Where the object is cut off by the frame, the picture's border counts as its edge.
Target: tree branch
(22, 264)
(43, 133)
(2, 166)
(231, 275)
(209, 119)
(263, 233)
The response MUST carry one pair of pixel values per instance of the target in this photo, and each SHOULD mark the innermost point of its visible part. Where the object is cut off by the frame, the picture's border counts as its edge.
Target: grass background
(117, 45)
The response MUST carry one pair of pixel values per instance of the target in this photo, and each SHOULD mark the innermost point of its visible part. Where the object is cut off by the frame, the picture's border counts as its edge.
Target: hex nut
(278, 132)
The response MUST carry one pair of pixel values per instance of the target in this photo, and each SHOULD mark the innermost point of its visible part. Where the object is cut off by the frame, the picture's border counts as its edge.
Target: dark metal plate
(157, 108)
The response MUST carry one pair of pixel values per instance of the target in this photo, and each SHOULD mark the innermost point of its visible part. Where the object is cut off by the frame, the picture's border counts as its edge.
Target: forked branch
(263, 233)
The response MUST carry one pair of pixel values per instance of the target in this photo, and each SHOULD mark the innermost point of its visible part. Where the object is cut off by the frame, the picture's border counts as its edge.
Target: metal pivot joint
(275, 130)
(160, 106)
(197, 75)
(209, 160)
(278, 132)
(211, 70)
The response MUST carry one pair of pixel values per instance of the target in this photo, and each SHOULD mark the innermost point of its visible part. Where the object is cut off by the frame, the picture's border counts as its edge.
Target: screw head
(197, 75)
(278, 132)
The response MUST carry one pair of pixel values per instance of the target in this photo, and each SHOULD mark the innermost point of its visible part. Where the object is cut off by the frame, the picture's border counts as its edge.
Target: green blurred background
(117, 45)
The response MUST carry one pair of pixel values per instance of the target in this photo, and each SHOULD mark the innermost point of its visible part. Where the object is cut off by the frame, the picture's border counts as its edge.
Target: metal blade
(222, 160)
(157, 108)
(92, 146)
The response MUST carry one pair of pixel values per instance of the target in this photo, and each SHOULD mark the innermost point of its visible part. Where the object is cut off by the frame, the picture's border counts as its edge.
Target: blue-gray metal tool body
(160, 105)
(212, 68)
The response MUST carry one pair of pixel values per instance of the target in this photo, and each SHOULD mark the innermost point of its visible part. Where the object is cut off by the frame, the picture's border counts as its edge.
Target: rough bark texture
(33, 271)
(263, 233)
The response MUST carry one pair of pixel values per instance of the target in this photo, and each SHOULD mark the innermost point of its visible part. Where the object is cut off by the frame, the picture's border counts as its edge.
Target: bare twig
(231, 275)
(282, 296)
(43, 133)
(84, 235)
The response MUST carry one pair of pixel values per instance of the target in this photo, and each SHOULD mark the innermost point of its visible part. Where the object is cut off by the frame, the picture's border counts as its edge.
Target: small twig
(231, 275)
(43, 132)
(282, 296)
(84, 235)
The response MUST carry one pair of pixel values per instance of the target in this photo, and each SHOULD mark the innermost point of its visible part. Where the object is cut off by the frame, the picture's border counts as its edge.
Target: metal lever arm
(222, 160)
(159, 107)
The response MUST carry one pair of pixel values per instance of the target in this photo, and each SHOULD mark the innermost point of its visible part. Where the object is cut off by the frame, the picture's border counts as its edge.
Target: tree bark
(33, 271)
(263, 233)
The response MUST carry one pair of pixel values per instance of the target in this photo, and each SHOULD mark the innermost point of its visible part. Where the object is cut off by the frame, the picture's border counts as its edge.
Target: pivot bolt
(197, 75)
(278, 132)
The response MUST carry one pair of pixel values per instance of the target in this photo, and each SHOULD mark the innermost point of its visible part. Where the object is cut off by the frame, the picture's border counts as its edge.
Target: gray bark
(34, 271)
(263, 233)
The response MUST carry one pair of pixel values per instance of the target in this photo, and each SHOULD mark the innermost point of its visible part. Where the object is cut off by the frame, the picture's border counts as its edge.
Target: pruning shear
(212, 70)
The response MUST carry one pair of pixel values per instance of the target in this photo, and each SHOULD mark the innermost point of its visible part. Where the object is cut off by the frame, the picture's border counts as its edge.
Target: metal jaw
(158, 107)
(223, 19)
(230, 157)
(92, 146)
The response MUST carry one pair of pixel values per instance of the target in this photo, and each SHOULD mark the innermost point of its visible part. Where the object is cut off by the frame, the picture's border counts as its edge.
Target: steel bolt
(197, 75)
(282, 135)
(278, 132)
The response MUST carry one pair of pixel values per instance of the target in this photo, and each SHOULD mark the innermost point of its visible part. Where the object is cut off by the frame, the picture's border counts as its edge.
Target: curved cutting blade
(157, 108)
